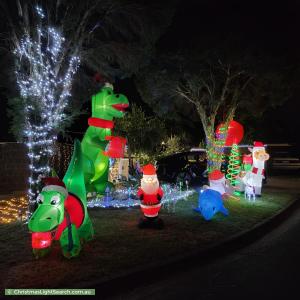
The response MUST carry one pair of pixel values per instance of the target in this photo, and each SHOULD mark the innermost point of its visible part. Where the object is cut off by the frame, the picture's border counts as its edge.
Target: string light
(215, 148)
(44, 73)
(40, 12)
(122, 198)
(13, 209)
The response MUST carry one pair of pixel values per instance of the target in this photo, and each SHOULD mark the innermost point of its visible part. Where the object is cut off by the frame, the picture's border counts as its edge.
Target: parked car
(285, 163)
(284, 157)
(186, 167)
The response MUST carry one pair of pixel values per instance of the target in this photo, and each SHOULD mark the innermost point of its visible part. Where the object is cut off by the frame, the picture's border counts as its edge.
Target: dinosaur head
(49, 213)
(108, 105)
(45, 221)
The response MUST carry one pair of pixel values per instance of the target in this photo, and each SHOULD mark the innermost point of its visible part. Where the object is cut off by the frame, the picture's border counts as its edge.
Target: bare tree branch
(219, 87)
(14, 37)
(185, 95)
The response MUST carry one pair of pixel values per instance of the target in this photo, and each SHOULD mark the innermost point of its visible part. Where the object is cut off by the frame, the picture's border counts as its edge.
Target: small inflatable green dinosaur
(62, 212)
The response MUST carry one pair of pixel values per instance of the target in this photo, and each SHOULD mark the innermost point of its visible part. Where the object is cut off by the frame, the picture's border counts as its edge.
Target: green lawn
(120, 246)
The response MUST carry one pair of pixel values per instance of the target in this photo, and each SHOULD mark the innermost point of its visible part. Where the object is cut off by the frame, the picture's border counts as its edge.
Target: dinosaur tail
(74, 181)
(74, 177)
(101, 165)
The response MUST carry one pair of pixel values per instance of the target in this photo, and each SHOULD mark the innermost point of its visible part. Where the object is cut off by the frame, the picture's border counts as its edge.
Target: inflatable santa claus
(150, 194)
(218, 183)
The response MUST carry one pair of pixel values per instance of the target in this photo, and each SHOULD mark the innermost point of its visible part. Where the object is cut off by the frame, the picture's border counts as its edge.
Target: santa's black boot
(158, 223)
(144, 223)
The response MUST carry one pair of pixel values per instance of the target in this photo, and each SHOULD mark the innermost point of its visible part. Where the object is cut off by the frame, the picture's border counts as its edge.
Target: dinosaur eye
(40, 199)
(55, 200)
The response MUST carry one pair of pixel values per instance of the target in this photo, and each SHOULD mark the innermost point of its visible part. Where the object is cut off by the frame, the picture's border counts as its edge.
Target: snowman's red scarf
(101, 123)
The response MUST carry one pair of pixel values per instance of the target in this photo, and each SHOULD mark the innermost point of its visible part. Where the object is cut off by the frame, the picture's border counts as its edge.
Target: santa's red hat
(149, 170)
(54, 184)
(215, 175)
(258, 144)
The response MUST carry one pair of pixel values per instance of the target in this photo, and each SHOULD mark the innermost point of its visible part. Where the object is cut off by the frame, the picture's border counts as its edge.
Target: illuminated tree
(215, 93)
(215, 146)
(44, 74)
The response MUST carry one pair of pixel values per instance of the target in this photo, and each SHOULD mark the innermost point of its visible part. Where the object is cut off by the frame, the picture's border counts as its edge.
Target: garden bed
(119, 246)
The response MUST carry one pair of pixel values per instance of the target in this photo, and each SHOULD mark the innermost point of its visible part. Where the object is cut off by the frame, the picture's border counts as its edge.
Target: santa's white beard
(260, 164)
(149, 188)
(218, 185)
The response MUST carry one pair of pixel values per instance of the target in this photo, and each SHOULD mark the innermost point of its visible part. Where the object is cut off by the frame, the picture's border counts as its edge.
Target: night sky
(269, 29)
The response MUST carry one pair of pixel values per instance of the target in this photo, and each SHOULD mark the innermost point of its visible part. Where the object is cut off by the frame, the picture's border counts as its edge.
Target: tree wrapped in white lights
(44, 73)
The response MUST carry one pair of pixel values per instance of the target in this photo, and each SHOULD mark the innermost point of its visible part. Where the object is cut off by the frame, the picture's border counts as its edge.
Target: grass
(120, 246)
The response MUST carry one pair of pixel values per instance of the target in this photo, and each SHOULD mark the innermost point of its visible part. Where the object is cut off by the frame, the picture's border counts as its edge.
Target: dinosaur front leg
(70, 242)
(101, 164)
(100, 179)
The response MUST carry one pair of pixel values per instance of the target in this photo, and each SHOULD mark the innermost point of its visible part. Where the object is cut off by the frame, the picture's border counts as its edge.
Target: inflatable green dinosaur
(106, 105)
(62, 211)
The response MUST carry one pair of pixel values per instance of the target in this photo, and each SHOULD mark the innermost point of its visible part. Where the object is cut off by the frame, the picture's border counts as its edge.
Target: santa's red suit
(150, 192)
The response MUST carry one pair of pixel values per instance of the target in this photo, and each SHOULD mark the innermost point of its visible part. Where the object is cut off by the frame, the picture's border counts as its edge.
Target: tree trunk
(35, 183)
(215, 145)
(39, 151)
(210, 147)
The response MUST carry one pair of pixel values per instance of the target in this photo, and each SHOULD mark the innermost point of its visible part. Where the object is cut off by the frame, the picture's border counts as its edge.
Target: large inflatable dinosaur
(62, 211)
(106, 105)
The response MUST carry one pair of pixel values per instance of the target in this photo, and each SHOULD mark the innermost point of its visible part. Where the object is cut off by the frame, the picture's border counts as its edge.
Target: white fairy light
(40, 12)
(122, 197)
(44, 76)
